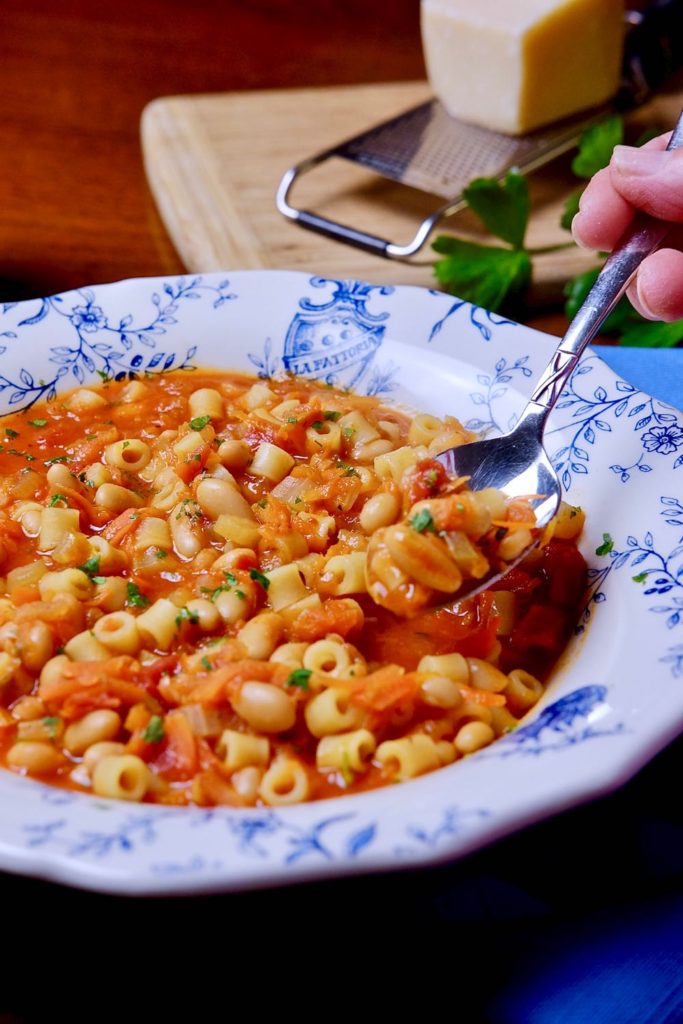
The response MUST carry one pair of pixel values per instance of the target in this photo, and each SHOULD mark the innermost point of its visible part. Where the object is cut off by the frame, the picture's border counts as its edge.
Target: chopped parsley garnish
(99, 580)
(348, 432)
(160, 553)
(91, 437)
(91, 567)
(11, 433)
(134, 597)
(299, 677)
(57, 458)
(263, 503)
(422, 521)
(348, 470)
(22, 455)
(37, 423)
(52, 723)
(317, 425)
(606, 546)
(55, 500)
(332, 414)
(640, 578)
(292, 419)
(222, 588)
(102, 374)
(154, 733)
(206, 663)
(193, 514)
(199, 422)
(259, 578)
(432, 478)
(186, 615)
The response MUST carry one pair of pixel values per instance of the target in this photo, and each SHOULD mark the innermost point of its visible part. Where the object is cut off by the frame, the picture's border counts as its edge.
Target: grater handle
(331, 229)
(345, 233)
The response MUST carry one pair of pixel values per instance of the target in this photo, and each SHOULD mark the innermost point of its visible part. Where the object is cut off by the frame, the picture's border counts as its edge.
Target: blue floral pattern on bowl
(618, 451)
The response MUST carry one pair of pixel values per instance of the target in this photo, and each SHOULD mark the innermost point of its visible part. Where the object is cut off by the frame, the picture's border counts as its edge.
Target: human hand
(648, 179)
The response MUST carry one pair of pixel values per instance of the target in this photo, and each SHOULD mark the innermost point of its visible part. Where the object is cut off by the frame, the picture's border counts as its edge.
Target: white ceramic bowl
(614, 701)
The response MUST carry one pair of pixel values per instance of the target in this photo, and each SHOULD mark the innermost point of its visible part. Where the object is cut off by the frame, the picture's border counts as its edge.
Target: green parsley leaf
(206, 663)
(502, 206)
(134, 597)
(199, 422)
(292, 419)
(259, 578)
(606, 546)
(348, 432)
(55, 500)
(160, 553)
(52, 723)
(299, 678)
(596, 145)
(422, 521)
(99, 580)
(263, 503)
(91, 437)
(91, 567)
(317, 424)
(37, 423)
(631, 328)
(650, 333)
(577, 290)
(640, 578)
(332, 414)
(56, 459)
(11, 433)
(571, 208)
(102, 374)
(482, 274)
(154, 733)
(185, 615)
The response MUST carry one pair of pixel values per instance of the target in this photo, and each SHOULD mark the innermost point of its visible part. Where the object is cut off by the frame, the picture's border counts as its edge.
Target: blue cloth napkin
(622, 964)
(657, 371)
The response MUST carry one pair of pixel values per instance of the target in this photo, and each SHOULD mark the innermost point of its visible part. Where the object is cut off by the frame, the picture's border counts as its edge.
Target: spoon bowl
(516, 464)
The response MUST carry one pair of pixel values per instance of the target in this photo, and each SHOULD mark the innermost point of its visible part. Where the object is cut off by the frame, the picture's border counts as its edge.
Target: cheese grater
(429, 150)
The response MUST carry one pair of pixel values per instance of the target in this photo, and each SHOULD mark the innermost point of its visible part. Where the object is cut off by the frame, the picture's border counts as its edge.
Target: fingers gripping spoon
(516, 463)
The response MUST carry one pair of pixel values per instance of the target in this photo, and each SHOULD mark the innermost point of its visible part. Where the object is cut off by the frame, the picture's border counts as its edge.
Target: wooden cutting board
(214, 162)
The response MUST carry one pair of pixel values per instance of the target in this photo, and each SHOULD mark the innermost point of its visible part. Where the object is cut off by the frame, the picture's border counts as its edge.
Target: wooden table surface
(75, 75)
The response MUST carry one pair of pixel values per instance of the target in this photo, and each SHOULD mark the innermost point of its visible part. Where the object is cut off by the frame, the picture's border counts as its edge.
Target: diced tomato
(337, 615)
(469, 630)
(179, 759)
(425, 480)
(564, 568)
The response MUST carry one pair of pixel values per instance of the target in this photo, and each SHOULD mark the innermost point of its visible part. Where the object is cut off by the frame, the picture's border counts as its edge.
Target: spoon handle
(642, 238)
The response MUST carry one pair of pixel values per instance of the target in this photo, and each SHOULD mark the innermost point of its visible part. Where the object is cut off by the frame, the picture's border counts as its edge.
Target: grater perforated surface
(430, 150)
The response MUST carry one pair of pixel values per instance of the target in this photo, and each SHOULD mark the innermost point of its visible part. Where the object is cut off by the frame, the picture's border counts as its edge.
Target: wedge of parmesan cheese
(514, 65)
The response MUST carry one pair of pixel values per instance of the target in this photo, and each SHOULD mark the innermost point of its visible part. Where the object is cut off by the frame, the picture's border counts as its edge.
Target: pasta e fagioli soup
(187, 614)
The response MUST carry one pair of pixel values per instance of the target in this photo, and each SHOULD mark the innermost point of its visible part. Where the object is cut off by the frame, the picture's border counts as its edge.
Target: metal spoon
(516, 463)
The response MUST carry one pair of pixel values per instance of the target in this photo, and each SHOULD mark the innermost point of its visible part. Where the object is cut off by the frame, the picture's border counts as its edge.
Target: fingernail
(639, 162)
(649, 313)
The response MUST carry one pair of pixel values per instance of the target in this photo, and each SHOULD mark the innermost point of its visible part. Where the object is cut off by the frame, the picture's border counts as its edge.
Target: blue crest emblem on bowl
(335, 341)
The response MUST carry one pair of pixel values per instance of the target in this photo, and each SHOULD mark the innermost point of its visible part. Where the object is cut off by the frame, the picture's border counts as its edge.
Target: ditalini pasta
(186, 606)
